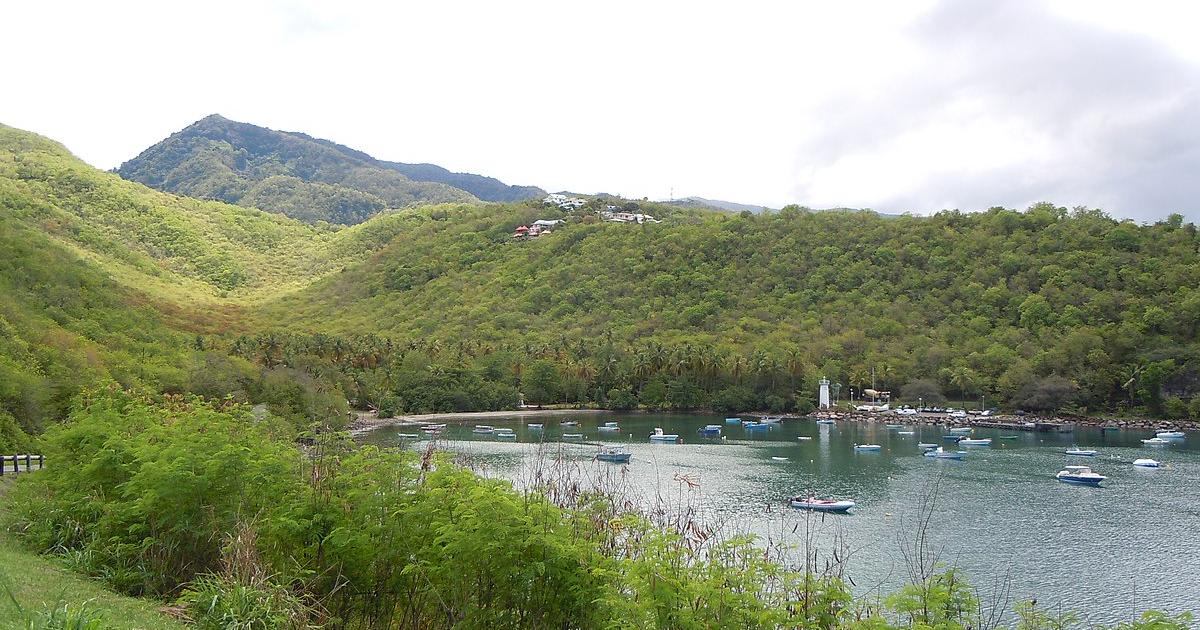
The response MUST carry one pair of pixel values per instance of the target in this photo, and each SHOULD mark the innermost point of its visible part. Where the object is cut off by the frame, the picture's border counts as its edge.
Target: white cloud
(895, 106)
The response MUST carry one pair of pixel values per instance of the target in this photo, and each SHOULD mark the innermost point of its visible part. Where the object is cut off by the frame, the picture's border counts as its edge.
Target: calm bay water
(1102, 552)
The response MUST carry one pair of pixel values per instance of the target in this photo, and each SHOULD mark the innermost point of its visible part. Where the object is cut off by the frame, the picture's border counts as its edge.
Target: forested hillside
(302, 177)
(440, 308)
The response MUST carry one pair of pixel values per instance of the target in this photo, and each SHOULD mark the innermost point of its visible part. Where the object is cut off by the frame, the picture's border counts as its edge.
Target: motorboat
(1009, 437)
(504, 434)
(432, 428)
(825, 421)
(1081, 452)
(409, 436)
(821, 505)
(568, 423)
(755, 426)
(710, 430)
(484, 429)
(659, 436)
(1146, 463)
(960, 430)
(771, 419)
(536, 425)
(613, 454)
(941, 453)
(609, 427)
(926, 446)
(778, 459)
(906, 433)
(804, 438)
(974, 442)
(894, 427)
(952, 437)
(733, 420)
(572, 436)
(1156, 441)
(1169, 435)
(868, 447)
(1081, 475)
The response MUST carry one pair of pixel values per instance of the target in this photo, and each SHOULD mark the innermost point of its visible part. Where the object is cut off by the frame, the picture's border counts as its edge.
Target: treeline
(217, 510)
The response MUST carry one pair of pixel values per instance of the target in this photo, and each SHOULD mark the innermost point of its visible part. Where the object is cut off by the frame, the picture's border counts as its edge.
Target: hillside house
(564, 202)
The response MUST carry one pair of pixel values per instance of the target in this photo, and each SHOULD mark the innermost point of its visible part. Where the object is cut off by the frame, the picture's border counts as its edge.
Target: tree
(924, 390)
(540, 382)
(1047, 394)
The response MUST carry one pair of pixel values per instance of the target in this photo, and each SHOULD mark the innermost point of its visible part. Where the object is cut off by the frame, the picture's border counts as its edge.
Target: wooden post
(41, 462)
(28, 462)
(15, 464)
(2, 458)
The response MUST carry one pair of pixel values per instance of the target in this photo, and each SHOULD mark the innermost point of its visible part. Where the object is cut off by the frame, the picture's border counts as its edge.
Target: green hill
(297, 175)
(439, 307)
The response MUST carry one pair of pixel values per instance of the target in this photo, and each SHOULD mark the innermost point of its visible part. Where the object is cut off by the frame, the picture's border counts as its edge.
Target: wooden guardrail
(16, 460)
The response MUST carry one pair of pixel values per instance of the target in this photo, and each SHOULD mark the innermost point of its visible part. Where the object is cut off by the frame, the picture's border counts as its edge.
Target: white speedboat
(824, 421)
(960, 430)
(1146, 463)
(1081, 452)
(710, 430)
(568, 423)
(1169, 435)
(504, 434)
(1080, 475)
(484, 429)
(868, 447)
(433, 428)
(906, 433)
(771, 419)
(409, 436)
(659, 436)
(609, 427)
(821, 505)
(733, 420)
(535, 425)
(804, 438)
(1156, 441)
(779, 459)
(756, 426)
(971, 442)
(941, 453)
(925, 446)
(572, 437)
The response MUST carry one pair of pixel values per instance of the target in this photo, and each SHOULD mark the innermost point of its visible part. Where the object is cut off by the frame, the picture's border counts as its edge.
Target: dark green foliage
(299, 176)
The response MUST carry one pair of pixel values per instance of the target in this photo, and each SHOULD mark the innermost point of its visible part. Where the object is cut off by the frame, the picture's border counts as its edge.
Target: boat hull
(1080, 481)
(615, 458)
(835, 507)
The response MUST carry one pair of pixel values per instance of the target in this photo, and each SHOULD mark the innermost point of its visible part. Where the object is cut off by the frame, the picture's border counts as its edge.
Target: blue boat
(952, 438)
(733, 420)
(755, 426)
(1080, 475)
(710, 430)
(824, 421)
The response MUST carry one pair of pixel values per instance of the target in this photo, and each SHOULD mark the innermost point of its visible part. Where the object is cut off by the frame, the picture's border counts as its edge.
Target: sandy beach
(367, 421)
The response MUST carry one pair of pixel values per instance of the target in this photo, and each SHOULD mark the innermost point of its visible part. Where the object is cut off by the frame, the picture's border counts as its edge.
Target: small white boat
(433, 428)
(804, 438)
(825, 421)
(755, 426)
(868, 447)
(1081, 452)
(821, 505)
(613, 454)
(894, 427)
(1146, 463)
(1081, 475)
(906, 433)
(568, 423)
(1156, 441)
(504, 434)
(941, 453)
(483, 429)
(1169, 435)
(733, 420)
(659, 436)
(609, 427)
(535, 425)
(960, 430)
(771, 419)
(409, 436)
(710, 430)
(779, 459)
(572, 436)
(979, 442)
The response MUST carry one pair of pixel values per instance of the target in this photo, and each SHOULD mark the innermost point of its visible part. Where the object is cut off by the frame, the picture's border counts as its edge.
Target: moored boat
(952, 438)
(1009, 437)
(895, 426)
(804, 438)
(868, 447)
(960, 430)
(1081, 452)
(926, 446)
(1080, 475)
(779, 459)
(906, 433)
(568, 423)
(975, 442)
(535, 425)
(504, 434)
(609, 427)
(771, 419)
(1169, 435)
(755, 426)
(483, 429)
(733, 420)
(409, 436)
(1156, 441)
(1146, 463)
(825, 421)
(660, 436)
(572, 436)
(710, 430)
(432, 428)
(821, 505)
(613, 454)
(941, 453)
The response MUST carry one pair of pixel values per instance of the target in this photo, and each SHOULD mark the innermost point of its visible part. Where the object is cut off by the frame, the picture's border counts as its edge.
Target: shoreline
(369, 421)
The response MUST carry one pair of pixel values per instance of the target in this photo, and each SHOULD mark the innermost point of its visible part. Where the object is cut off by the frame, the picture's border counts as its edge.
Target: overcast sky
(896, 106)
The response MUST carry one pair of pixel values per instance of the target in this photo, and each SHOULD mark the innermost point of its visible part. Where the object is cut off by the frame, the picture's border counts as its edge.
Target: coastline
(369, 421)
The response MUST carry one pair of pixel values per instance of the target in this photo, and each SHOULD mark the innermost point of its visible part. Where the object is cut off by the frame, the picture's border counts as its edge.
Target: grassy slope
(38, 582)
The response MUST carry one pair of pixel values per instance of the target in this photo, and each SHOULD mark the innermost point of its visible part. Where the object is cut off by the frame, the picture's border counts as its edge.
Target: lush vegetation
(218, 510)
(299, 176)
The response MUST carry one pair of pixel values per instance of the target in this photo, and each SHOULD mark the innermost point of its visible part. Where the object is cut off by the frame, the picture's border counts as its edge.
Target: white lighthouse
(824, 393)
